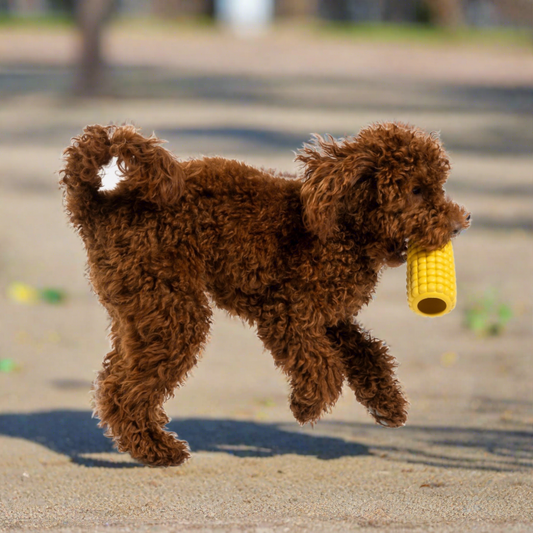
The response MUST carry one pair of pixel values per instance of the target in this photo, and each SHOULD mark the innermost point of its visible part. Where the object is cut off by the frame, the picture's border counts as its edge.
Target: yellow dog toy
(431, 285)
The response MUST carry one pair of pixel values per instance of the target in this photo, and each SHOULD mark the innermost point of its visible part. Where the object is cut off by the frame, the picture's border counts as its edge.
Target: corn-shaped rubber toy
(431, 285)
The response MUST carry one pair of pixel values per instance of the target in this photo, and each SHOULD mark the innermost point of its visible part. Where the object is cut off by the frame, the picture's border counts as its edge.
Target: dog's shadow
(76, 435)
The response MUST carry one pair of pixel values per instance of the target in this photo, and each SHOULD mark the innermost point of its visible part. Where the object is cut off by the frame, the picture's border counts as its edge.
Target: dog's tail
(150, 172)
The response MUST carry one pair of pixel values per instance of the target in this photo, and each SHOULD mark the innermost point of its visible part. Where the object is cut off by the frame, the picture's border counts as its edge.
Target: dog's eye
(417, 190)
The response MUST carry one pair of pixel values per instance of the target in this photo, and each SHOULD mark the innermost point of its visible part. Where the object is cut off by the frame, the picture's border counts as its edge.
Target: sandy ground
(464, 461)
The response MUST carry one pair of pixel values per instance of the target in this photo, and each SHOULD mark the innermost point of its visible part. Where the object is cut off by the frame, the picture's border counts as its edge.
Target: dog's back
(235, 226)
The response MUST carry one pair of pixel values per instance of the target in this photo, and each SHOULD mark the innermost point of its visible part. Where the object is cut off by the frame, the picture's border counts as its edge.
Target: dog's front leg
(308, 358)
(369, 369)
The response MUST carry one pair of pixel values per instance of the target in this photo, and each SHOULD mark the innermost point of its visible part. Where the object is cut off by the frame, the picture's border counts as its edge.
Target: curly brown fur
(297, 258)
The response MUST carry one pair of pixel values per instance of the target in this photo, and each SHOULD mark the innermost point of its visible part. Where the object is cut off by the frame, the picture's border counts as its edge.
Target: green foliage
(425, 33)
(7, 365)
(423, 13)
(52, 296)
(45, 22)
(487, 315)
(63, 6)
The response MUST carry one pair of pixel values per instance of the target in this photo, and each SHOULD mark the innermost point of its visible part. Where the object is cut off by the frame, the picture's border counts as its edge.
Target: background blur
(252, 80)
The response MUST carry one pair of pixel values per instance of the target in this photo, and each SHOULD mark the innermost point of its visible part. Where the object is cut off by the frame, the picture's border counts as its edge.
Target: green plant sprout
(487, 315)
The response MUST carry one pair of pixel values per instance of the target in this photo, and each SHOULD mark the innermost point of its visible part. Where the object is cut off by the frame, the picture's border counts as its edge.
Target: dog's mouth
(398, 256)
(432, 242)
(403, 250)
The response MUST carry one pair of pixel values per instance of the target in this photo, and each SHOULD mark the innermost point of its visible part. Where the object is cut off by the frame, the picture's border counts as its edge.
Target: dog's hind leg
(303, 351)
(157, 340)
(369, 369)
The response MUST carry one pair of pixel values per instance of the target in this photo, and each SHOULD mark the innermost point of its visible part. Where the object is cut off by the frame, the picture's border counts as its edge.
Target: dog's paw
(396, 420)
(307, 412)
(159, 448)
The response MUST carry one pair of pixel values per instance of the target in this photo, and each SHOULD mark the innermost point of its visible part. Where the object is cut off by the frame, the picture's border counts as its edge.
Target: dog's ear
(331, 168)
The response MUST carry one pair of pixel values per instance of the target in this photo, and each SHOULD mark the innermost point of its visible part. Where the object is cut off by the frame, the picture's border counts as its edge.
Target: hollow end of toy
(432, 305)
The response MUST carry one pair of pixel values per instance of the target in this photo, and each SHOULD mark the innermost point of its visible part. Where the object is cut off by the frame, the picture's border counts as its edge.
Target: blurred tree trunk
(297, 8)
(92, 16)
(519, 12)
(447, 13)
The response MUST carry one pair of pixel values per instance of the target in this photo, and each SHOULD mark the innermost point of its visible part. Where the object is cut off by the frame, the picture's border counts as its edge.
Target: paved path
(464, 461)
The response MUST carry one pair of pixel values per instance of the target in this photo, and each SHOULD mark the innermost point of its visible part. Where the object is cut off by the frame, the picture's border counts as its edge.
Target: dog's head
(388, 182)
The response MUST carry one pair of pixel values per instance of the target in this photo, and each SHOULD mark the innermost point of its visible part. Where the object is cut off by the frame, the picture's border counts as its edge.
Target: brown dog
(297, 258)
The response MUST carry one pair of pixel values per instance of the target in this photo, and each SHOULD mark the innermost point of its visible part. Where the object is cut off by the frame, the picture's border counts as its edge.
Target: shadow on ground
(76, 435)
(293, 91)
(288, 92)
(498, 450)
